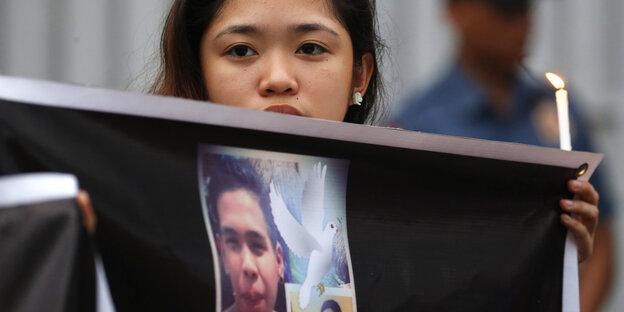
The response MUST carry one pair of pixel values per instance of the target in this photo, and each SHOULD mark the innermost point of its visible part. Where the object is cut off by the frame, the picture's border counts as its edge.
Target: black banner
(434, 223)
(47, 261)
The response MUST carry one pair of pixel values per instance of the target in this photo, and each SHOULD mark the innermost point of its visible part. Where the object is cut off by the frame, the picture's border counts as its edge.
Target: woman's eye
(311, 49)
(241, 51)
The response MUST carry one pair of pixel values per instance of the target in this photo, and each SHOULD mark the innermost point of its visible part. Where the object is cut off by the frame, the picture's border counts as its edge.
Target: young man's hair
(231, 174)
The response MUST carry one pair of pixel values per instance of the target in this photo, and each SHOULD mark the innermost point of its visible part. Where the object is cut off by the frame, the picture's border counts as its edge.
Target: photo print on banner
(277, 229)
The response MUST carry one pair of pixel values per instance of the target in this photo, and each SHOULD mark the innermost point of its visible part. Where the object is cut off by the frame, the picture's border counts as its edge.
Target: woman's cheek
(336, 83)
(232, 87)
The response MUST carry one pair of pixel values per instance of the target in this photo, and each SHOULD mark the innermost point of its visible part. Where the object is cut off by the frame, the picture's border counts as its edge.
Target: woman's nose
(278, 77)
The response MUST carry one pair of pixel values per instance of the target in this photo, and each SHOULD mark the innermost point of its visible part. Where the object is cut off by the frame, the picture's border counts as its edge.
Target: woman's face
(249, 259)
(287, 56)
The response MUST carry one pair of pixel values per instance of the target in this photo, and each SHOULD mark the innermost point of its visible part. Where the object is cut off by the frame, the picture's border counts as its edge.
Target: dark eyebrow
(304, 28)
(238, 29)
(250, 234)
(226, 230)
(254, 235)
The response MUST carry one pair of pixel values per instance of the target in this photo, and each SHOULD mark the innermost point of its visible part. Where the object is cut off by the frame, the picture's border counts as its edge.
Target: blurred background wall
(113, 44)
(96, 42)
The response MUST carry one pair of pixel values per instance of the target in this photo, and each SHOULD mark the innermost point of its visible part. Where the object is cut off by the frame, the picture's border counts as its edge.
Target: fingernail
(566, 217)
(576, 184)
(567, 204)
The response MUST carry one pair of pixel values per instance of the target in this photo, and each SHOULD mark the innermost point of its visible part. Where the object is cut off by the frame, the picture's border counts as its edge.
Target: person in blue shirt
(487, 94)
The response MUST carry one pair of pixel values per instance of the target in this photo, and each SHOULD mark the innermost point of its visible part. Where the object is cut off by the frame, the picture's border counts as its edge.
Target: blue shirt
(459, 106)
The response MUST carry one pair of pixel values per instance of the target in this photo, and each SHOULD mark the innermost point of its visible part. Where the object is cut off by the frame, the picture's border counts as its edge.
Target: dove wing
(294, 234)
(312, 210)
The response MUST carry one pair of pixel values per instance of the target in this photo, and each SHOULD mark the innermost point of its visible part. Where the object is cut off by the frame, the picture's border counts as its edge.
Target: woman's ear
(363, 73)
(280, 261)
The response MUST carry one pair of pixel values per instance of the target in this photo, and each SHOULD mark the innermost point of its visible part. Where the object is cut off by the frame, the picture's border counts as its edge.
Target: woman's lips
(284, 109)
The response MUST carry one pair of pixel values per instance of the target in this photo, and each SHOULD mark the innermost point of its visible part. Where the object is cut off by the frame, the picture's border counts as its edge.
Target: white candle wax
(564, 120)
(570, 297)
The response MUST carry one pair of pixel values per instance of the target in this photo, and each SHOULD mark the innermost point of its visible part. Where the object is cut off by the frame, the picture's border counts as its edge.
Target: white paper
(32, 188)
(570, 293)
(104, 299)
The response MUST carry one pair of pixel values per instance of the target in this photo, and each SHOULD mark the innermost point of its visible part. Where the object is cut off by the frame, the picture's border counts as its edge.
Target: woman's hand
(582, 219)
(86, 210)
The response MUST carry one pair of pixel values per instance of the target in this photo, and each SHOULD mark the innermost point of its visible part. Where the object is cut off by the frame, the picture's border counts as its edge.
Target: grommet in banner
(582, 170)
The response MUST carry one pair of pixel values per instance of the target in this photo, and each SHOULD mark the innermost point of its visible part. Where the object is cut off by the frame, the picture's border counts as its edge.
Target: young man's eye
(311, 49)
(241, 51)
(232, 243)
(257, 248)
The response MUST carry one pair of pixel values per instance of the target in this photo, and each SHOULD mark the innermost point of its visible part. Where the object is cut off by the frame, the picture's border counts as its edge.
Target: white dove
(309, 239)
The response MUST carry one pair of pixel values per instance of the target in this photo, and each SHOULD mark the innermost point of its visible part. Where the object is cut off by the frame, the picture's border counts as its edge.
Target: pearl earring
(357, 98)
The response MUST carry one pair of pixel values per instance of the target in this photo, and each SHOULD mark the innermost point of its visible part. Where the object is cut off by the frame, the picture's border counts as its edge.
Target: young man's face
(249, 259)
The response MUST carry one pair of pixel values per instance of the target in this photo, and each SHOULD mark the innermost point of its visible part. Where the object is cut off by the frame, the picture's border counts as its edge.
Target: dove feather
(294, 234)
(312, 211)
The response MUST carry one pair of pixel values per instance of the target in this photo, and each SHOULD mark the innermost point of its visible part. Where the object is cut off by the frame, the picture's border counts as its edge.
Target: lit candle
(570, 259)
(562, 111)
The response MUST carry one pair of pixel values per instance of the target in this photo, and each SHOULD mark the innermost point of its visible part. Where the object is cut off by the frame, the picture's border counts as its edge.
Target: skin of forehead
(290, 6)
(242, 208)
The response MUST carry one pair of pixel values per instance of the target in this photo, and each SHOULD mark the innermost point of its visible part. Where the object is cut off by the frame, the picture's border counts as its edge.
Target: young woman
(314, 58)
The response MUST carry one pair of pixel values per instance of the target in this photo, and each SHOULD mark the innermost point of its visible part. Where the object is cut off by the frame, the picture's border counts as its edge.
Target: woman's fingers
(584, 191)
(583, 211)
(584, 240)
(582, 216)
(86, 209)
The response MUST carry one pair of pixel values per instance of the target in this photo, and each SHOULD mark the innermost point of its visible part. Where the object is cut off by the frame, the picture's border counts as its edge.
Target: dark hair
(330, 304)
(504, 6)
(232, 174)
(180, 72)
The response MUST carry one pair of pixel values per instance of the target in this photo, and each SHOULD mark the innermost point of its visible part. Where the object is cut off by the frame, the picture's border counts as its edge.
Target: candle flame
(556, 81)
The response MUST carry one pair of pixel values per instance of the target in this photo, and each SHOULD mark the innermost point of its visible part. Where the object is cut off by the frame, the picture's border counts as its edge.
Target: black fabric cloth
(46, 262)
(427, 231)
